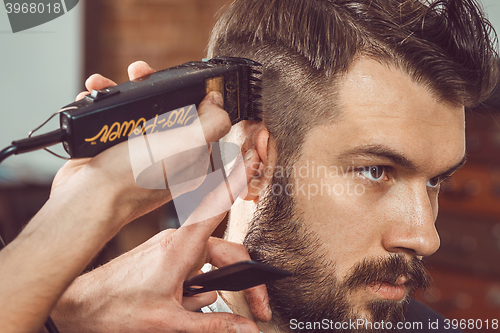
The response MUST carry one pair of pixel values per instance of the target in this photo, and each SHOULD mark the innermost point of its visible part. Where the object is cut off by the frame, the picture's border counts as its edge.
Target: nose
(410, 225)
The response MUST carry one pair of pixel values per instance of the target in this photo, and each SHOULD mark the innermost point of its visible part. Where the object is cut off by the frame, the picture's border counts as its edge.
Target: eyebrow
(380, 151)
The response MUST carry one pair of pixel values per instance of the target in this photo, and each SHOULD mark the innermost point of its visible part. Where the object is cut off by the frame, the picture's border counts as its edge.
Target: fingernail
(245, 328)
(217, 98)
(248, 154)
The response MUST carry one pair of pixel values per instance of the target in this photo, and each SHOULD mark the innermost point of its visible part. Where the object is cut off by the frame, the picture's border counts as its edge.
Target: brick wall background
(164, 33)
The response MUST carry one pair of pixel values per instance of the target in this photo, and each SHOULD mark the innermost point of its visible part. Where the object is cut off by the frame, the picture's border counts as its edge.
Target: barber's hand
(107, 180)
(141, 291)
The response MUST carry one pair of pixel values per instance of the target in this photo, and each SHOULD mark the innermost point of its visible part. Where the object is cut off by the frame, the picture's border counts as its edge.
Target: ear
(261, 141)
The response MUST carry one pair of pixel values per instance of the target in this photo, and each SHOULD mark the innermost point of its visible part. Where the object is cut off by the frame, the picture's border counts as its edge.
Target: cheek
(343, 213)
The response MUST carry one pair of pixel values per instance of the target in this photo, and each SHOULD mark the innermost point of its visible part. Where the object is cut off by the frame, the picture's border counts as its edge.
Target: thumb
(214, 120)
(213, 204)
(219, 322)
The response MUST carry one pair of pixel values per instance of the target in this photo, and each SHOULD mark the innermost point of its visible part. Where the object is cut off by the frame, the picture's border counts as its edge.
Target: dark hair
(304, 45)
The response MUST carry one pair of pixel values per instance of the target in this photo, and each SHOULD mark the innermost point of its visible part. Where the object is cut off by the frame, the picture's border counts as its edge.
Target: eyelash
(385, 170)
(441, 180)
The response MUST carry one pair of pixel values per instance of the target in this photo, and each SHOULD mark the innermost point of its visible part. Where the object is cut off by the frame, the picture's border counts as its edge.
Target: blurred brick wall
(164, 33)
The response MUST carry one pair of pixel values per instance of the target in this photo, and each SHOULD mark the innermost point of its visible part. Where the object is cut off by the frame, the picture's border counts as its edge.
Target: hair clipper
(107, 117)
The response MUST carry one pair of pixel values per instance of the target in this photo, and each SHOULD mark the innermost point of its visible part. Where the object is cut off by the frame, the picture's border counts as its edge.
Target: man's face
(365, 190)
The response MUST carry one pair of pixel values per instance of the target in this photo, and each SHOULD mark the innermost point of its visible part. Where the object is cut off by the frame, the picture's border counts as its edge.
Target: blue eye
(434, 182)
(374, 173)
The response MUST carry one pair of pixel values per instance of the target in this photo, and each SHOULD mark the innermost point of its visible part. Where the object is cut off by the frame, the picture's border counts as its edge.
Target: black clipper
(108, 116)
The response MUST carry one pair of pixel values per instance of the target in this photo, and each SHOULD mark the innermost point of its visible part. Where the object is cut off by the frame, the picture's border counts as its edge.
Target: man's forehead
(382, 108)
(369, 81)
(373, 89)
(387, 153)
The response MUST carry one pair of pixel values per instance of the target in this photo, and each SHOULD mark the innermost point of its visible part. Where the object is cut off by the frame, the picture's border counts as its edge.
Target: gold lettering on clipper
(176, 118)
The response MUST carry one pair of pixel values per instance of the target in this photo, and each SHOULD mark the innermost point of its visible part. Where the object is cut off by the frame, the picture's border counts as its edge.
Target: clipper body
(107, 117)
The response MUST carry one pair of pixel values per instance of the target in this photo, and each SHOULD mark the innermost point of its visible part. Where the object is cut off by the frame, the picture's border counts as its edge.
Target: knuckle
(167, 232)
(241, 250)
(221, 324)
(167, 241)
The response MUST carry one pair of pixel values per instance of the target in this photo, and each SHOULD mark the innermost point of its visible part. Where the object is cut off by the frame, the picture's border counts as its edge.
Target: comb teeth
(255, 99)
(257, 105)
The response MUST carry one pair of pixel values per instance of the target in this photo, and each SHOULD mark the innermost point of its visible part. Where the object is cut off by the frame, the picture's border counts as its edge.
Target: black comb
(236, 277)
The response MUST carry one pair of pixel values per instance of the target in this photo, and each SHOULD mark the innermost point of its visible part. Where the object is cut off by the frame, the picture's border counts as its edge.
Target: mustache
(388, 270)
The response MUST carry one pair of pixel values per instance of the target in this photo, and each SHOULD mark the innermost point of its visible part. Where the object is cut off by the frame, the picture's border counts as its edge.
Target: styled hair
(305, 45)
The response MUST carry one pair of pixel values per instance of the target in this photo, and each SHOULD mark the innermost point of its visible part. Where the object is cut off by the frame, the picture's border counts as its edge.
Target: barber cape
(219, 305)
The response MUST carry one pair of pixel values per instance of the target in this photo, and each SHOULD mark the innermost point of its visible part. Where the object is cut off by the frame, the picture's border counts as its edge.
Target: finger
(214, 120)
(81, 95)
(185, 163)
(258, 301)
(139, 69)
(97, 82)
(187, 155)
(212, 124)
(222, 253)
(215, 202)
(216, 323)
(190, 240)
(196, 302)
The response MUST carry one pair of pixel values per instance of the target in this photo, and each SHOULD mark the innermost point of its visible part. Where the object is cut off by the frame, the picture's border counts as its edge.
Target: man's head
(363, 117)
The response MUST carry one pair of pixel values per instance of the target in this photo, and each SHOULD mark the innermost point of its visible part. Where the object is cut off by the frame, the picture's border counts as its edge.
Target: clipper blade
(255, 98)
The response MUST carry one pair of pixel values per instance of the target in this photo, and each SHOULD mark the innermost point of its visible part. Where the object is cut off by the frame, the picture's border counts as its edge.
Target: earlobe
(258, 183)
(262, 145)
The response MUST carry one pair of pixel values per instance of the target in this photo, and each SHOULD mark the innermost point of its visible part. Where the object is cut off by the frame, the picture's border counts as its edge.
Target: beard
(280, 238)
